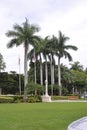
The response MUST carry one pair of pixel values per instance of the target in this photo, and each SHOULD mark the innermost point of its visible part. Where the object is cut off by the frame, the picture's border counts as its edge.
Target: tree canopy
(2, 63)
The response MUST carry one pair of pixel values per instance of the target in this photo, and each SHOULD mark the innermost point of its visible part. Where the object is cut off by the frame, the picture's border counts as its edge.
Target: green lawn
(40, 116)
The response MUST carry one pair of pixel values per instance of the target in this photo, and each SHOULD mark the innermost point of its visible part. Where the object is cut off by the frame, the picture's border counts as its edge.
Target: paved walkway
(68, 100)
(80, 124)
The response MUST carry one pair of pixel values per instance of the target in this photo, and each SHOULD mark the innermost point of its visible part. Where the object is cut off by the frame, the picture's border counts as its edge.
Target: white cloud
(52, 15)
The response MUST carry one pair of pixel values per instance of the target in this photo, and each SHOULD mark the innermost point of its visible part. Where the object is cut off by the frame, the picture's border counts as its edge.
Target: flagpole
(19, 78)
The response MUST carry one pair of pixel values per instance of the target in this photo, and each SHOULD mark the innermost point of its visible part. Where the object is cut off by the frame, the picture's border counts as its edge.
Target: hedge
(19, 99)
(6, 99)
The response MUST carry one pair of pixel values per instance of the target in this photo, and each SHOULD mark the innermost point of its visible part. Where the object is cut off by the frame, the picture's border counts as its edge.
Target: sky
(69, 16)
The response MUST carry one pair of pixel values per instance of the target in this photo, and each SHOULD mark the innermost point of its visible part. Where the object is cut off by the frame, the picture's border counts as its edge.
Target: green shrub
(17, 98)
(33, 99)
(59, 97)
(32, 87)
(6, 99)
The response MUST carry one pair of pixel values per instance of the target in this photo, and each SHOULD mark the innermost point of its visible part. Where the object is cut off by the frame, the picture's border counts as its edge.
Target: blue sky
(69, 16)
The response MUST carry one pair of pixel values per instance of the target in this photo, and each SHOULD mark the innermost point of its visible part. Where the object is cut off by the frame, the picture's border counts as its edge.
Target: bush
(32, 88)
(59, 97)
(6, 99)
(17, 98)
(33, 99)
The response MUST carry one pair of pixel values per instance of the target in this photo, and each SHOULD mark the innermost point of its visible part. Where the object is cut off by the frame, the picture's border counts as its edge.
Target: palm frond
(12, 43)
(30, 54)
(67, 55)
(71, 47)
(18, 28)
(12, 34)
(35, 28)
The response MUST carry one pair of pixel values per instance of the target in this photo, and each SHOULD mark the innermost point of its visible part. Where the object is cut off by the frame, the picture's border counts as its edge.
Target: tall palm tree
(51, 49)
(45, 52)
(34, 55)
(61, 50)
(42, 51)
(23, 34)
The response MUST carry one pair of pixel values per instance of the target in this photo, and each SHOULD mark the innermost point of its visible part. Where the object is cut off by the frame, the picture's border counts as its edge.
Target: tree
(38, 50)
(45, 52)
(33, 55)
(80, 80)
(51, 54)
(2, 63)
(24, 34)
(61, 51)
(76, 66)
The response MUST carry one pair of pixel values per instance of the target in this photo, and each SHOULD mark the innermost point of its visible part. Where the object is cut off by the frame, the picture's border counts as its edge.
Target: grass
(40, 116)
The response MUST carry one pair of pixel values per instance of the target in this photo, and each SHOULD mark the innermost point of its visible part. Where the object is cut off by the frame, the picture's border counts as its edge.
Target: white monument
(46, 97)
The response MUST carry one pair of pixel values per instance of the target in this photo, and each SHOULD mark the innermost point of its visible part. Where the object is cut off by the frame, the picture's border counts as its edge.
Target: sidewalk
(80, 124)
(68, 100)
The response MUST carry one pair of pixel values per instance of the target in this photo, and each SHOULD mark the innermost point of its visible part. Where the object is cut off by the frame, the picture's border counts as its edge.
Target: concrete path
(80, 124)
(68, 100)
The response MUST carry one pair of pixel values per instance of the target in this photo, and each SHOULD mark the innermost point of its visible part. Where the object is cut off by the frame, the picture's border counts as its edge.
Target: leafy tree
(67, 78)
(24, 34)
(2, 63)
(31, 87)
(80, 80)
(9, 83)
(85, 70)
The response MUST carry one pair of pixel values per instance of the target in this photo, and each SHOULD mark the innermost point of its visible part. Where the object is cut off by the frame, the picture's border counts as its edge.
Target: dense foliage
(2, 63)
(9, 83)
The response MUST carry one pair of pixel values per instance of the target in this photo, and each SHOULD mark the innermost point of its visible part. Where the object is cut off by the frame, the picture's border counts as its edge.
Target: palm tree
(51, 49)
(23, 35)
(34, 55)
(61, 50)
(76, 66)
(45, 51)
(41, 49)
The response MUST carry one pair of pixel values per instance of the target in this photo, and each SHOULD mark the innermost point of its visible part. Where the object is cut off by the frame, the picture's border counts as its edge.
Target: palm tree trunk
(51, 76)
(35, 76)
(59, 77)
(46, 71)
(25, 73)
(41, 73)
(35, 71)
